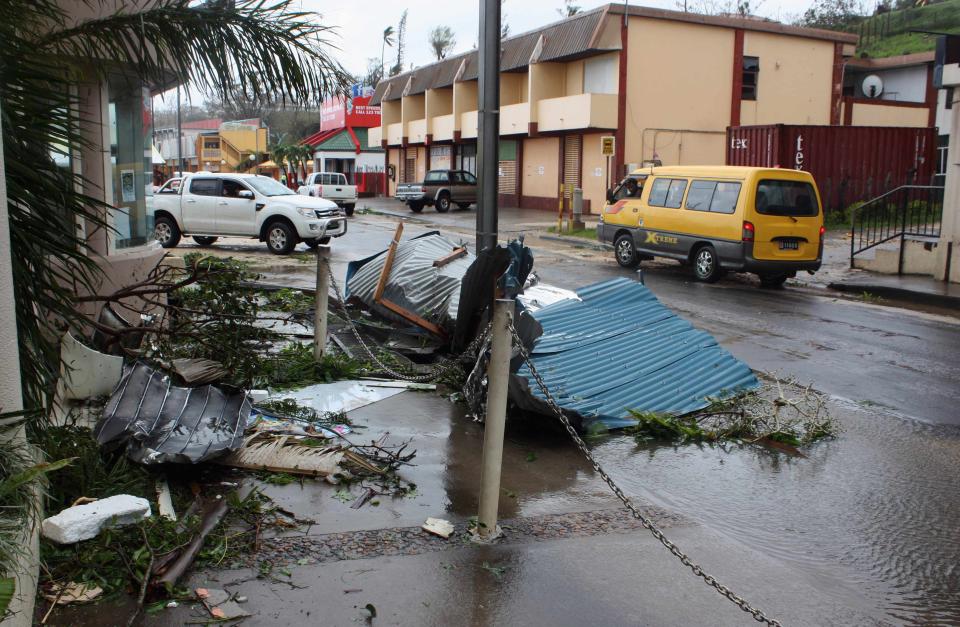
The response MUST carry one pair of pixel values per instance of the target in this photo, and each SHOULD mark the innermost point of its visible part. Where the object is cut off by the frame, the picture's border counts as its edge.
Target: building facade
(665, 84)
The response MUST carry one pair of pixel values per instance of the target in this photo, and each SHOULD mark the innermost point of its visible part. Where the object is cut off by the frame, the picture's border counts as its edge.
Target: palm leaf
(8, 587)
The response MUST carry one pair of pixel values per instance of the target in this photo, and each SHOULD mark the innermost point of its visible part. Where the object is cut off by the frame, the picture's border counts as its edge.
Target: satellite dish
(872, 86)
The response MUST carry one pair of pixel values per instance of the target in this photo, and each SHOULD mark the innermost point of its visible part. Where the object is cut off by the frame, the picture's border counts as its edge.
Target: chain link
(443, 368)
(648, 524)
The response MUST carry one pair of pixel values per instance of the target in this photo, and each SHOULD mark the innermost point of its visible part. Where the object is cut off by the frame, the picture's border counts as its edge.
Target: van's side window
(713, 196)
(667, 193)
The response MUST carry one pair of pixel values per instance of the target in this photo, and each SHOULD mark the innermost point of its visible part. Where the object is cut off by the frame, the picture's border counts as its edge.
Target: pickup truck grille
(327, 213)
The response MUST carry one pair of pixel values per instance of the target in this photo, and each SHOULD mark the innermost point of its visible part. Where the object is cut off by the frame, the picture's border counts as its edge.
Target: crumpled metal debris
(161, 423)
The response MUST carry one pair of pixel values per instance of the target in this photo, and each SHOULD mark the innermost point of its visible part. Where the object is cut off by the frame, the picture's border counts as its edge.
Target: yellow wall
(464, 99)
(421, 153)
(247, 140)
(594, 187)
(393, 158)
(413, 108)
(547, 80)
(542, 152)
(698, 78)
(879, 115)
(794, 85)
(513, 88)
(573, 83)
(389, 112)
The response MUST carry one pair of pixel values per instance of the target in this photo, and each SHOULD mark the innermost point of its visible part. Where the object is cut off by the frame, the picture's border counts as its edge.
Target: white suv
(206, 206)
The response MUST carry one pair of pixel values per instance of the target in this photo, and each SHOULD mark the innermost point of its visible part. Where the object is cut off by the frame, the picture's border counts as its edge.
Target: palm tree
(387, 41)
(265, 48)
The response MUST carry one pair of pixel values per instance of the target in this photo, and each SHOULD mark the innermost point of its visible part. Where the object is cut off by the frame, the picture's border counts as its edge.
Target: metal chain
(443, 368)
(646, 522)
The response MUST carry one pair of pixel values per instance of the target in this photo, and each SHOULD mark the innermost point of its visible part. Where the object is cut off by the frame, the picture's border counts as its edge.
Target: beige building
(665, 84)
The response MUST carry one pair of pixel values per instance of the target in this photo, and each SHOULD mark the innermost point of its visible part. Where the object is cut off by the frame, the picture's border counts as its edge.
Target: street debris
(165, 501)
(198, 370)
(160, 423)
(438, 527)
(405, 285)
(69, 593)
(341, 396)
(619, 349)
(221, 604)
(286, 454)
(84, 372)
(82, 522)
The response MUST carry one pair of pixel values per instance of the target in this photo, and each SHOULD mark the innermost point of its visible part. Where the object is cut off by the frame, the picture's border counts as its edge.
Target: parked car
(440, 189)
(207, 206)
(766, 221)
(331, 186)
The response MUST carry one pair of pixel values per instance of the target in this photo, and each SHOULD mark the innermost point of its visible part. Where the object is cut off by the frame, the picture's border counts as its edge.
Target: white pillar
(949, 245)
(11, 400)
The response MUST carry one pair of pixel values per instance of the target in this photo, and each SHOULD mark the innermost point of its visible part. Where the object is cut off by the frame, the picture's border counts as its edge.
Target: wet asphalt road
(867, 520)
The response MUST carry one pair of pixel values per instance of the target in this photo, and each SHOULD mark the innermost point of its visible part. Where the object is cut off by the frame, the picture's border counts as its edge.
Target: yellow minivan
(767, 221)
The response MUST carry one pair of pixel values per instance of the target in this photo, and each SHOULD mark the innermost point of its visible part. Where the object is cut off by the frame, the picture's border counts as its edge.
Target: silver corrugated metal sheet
(414, 283)
(619, 348)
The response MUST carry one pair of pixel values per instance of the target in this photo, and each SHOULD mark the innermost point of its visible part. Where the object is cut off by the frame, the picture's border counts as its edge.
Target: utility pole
(488, 128)
(179, 135)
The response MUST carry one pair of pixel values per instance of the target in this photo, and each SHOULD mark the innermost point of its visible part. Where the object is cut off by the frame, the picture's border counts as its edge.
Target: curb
(898, 293)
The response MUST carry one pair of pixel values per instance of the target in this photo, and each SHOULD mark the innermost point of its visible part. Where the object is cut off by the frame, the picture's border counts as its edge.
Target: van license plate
(789, 245)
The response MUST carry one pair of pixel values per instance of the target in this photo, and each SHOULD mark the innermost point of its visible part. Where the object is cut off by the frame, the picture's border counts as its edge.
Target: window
(667, 193)
(232, 189)
(270, 187)
(948, 98)
(713, 196)
(130, 158)
(205, 187)
(436, 176)
(170, 187)
(786, 198)
(751, 72)
(600, 75)
(468, 178)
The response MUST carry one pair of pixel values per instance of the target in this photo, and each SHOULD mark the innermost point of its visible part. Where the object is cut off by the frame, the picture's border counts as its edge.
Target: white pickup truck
(331, 186)
(207, 206)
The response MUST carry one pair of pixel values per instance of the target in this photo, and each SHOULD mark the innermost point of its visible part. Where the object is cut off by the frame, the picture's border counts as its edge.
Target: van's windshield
(786, 198)
(629, 187)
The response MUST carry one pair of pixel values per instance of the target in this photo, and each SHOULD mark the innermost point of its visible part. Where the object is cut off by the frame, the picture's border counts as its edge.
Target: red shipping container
(849, 163)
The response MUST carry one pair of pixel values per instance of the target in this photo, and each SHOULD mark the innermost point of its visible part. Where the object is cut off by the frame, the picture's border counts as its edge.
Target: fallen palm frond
(782, 413)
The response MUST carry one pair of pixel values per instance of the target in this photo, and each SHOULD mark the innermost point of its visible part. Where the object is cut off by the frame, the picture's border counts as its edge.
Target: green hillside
(888, 34)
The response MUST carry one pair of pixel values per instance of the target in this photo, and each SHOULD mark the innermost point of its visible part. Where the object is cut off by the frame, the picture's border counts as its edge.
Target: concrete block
(82, 522)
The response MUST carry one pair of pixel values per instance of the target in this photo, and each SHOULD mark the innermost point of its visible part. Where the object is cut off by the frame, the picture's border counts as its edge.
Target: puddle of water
(871, 512)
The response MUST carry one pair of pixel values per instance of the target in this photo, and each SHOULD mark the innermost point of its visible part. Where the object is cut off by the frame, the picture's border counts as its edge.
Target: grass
(943, 17)
(587, 233)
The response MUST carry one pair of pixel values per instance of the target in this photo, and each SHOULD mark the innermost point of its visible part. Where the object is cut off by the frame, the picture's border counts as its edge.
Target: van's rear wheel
(773, 281)
(313, 243)
(706, 265)
(348, 209)
(626, 251)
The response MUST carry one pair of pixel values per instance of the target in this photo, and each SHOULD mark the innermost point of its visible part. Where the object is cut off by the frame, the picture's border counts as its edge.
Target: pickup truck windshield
(269, 187)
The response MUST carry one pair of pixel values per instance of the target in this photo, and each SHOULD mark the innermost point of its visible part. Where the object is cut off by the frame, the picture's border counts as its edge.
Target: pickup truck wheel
(415, 207)
(281, 238)
(166, 232)
(348, 209)
(463, 206)
(443, 203)
(203, 240)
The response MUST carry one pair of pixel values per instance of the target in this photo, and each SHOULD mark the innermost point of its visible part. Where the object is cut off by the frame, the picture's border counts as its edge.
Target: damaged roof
(620, 348)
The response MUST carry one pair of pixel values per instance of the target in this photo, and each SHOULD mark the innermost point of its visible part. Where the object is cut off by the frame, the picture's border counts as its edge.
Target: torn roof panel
(620, 349)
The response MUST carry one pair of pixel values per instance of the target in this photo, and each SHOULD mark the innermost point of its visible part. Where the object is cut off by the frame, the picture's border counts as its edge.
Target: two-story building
(665, 84)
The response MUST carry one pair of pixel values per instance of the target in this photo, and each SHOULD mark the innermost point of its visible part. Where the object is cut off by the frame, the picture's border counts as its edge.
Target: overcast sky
(361, 23)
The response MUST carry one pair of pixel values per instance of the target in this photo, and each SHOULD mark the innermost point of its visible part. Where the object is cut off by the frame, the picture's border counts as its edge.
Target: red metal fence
(849, 163)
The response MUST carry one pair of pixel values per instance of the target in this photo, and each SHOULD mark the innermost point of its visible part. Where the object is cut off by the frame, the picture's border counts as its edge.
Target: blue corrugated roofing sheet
(620, 348)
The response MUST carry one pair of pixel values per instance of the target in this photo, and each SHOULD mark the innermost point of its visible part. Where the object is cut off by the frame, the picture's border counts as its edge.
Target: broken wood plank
(388, 263)
(456, 254)
(412, 317)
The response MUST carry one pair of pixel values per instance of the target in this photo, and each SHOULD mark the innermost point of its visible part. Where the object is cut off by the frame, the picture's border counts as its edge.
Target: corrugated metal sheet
(849, 163)
(619, 348)
(414, 283)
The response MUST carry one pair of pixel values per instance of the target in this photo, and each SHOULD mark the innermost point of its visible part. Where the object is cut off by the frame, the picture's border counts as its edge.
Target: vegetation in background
(588, 233)
(888, 32)
(442, 41)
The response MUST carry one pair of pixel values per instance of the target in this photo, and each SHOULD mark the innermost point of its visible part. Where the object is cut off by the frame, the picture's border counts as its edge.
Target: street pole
(320, 302)
(179, 136)
(498, 373)
(488, 127)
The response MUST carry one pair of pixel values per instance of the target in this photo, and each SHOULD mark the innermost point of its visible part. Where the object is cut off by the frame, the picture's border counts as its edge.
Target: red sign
(355, 111)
